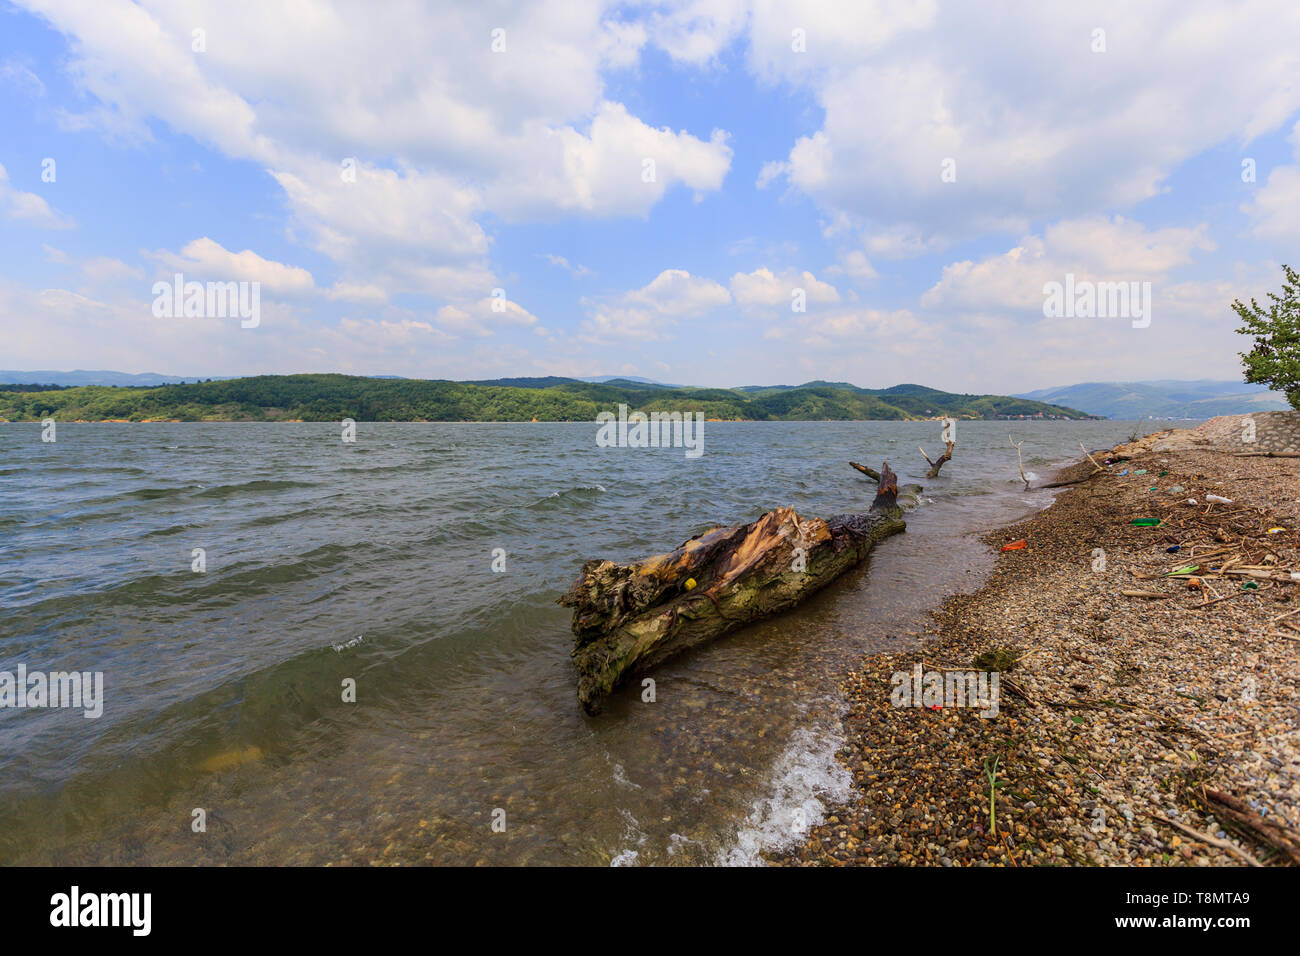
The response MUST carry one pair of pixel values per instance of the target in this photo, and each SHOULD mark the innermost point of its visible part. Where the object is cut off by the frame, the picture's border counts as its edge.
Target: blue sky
(796, 146)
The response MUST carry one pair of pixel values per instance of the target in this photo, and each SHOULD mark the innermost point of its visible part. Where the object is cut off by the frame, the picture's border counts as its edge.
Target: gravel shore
(1158, 727)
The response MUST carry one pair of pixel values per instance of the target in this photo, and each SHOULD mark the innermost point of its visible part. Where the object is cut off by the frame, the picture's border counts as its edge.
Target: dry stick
(1089, 457)
(1020, 460)
(1211, 840)
(1275, 835)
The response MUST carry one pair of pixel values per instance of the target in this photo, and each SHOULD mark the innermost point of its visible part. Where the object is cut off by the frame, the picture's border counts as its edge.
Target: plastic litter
(1250, 586)
(1174, 550)
(1123, 473)
(1176, 489)
(690, 584)
(1275, 530)
(1145, 522)
(1140, 471)
(1218, 499)
(1187, 569)
(1015, 545)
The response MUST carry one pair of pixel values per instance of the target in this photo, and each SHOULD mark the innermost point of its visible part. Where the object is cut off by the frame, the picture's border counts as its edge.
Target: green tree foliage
(318, 398)
(1275, 359)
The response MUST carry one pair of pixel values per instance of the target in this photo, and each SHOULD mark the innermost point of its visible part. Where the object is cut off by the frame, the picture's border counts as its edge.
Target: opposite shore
(1149, 680)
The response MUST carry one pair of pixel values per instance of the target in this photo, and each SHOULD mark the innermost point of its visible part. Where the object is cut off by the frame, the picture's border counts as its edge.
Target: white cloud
(357, 292)
(763, 288)
(204, 260)
(650, 312)
(28, 208)
(696, 31)
(577, 271)
(855, 265)
(19, 75)
(443, 129)
(1094, 248)
(480, 317)
(622, 167)
(1038, 125)
(108, 269)
(1275, 209)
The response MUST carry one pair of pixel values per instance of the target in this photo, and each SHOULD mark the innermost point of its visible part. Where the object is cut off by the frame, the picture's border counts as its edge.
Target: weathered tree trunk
(936, 465)
(629, 618)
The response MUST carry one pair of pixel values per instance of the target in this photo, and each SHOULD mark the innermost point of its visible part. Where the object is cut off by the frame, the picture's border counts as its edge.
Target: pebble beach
(1147, 640)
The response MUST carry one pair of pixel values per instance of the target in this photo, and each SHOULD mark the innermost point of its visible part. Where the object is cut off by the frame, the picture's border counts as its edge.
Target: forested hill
(327, 397)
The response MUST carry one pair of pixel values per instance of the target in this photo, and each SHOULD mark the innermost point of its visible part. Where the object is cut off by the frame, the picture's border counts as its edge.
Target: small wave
(224, 491)
(149, 494)
(580, 493)
(803, 781)
(620, 778)
(629, 855)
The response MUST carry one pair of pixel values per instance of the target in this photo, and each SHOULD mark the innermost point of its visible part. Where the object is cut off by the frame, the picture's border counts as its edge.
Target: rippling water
(372, 561)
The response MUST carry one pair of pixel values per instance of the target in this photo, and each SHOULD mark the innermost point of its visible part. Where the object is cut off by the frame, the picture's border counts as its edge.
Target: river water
(371, 563)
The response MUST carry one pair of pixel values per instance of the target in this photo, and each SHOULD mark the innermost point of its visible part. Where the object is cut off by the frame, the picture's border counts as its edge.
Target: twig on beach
(1275, 835)
(1212, 841)
(992, 776)
(1149, 595)
(1090, 458)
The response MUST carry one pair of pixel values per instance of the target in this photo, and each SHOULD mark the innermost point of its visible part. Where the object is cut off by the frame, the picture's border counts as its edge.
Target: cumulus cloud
(442, 117)
(763, 288)
(1036, 125)
(650, 312)
(205, 260)
(1275, 209)
(479, 318)
(1098, 249)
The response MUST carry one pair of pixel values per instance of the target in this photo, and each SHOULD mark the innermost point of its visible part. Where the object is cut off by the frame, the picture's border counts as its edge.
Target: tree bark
(628, 618)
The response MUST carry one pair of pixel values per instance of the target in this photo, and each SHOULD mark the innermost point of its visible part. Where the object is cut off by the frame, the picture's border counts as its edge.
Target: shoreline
(1131, 730)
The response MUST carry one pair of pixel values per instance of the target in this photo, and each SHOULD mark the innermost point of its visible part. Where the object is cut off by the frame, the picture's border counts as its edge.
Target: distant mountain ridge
(87, 377)
(331, 397)
(1164, 398)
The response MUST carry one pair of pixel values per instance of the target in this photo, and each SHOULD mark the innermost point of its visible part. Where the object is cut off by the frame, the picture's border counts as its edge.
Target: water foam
(805, 779)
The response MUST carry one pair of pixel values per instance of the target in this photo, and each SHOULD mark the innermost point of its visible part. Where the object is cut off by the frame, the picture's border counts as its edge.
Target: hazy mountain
(1163, 399)
(84, 377)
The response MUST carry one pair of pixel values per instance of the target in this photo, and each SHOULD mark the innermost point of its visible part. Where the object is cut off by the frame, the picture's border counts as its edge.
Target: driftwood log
(628, 618)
